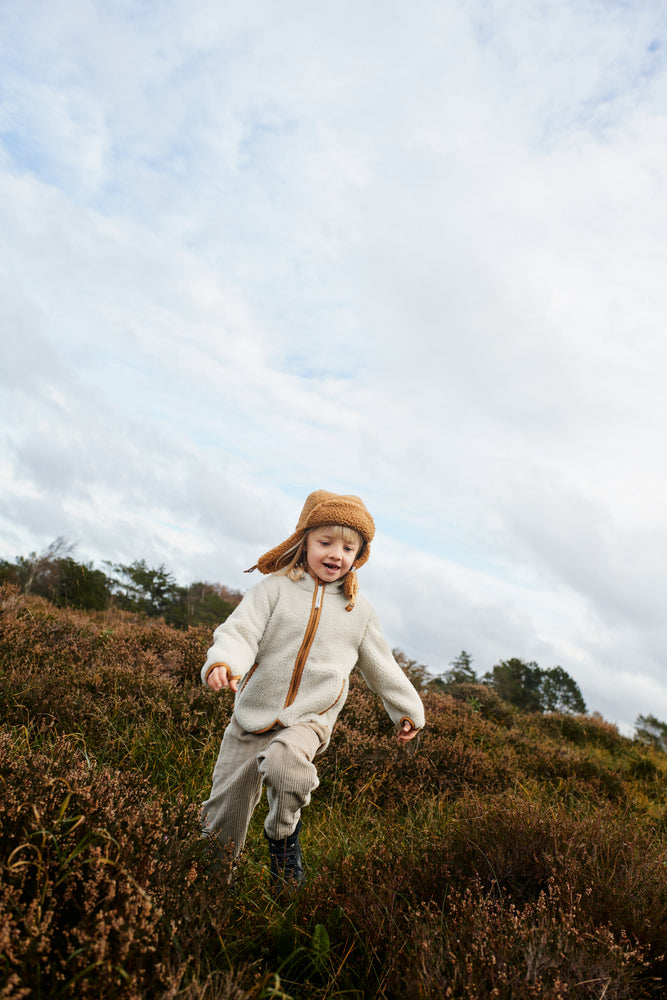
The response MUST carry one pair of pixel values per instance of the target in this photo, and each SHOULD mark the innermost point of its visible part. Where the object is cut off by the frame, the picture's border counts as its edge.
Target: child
(287, 651)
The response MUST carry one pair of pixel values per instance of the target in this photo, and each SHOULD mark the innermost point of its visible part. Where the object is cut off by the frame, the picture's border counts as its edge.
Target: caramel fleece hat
(321, 508)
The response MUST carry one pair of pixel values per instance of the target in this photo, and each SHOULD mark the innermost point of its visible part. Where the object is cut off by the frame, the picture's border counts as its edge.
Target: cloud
(248, 253)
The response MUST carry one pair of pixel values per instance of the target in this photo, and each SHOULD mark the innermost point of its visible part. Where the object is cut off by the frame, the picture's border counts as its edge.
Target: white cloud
(248, 252)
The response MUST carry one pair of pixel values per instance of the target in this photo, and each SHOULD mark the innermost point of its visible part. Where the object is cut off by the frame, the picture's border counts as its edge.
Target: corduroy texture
(281, 760)
(321, 508)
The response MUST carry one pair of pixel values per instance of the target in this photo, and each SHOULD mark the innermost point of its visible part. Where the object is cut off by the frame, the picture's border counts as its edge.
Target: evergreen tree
(516, 682)
(81, 586)
(138, 587)
(460, 670)
(652, 731)
(54, 574)
(9, 572)
(202, 604)
(560, 693)
(529, 687)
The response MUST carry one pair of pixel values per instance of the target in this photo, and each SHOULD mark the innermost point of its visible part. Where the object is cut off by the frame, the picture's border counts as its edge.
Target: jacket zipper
(308, 639)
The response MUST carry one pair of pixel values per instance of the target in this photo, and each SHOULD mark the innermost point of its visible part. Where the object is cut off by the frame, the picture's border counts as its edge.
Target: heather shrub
(584, 729)
(509, 855)
(483, 699)
(130, 687)
(498, 894)
(103, 885)
(474, 946)
(462, 749)
(459, 750)
(521, 846)
(35, 635)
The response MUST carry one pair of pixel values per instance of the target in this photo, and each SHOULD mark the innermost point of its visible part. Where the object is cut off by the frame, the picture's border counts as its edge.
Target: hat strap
(351, 588)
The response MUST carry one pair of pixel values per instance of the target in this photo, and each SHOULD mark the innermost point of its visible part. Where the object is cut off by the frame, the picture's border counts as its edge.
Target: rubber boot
(285, 858)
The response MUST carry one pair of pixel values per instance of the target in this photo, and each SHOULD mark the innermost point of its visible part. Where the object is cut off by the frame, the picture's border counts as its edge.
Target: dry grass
(513, 856)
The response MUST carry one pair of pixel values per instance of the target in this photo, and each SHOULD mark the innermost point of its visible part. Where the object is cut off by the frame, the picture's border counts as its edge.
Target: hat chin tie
(351, 588)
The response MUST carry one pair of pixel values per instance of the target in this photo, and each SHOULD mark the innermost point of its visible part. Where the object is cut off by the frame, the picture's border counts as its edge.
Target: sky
(411, 251)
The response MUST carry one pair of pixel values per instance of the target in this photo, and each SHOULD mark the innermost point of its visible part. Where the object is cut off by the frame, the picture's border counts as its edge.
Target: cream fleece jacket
(293, 646)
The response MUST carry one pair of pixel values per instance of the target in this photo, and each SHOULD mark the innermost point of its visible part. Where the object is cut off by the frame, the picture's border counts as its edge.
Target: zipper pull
(318, 596)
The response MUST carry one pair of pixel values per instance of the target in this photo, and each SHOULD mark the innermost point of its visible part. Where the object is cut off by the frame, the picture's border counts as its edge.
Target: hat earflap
(351, 588)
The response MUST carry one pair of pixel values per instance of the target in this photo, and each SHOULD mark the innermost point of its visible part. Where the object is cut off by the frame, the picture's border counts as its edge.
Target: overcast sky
(414, 251)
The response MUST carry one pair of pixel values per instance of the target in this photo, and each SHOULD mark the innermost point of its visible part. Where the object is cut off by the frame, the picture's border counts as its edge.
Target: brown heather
(513, 856)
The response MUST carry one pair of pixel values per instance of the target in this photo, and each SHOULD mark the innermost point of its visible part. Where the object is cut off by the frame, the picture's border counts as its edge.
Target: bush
(508, 856)
(102, 883)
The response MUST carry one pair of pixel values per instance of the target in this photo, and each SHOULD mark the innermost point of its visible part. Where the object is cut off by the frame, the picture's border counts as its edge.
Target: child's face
(329, 557)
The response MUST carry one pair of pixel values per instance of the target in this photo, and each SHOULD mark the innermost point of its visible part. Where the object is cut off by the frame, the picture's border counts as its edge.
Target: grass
(514, 856)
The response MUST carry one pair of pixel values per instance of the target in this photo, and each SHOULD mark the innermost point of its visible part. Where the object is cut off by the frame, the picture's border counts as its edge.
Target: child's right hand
(219, 678)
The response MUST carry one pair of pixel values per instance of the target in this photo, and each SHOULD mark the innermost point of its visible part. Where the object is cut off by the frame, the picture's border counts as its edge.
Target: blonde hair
(294, 559)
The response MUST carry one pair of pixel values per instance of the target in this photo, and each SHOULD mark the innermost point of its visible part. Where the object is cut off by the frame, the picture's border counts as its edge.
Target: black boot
(285, 856)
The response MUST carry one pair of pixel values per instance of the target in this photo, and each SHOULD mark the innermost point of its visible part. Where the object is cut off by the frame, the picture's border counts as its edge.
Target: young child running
(287, 651)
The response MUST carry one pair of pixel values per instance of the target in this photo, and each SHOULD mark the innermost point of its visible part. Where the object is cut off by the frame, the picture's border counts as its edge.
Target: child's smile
(329, 557)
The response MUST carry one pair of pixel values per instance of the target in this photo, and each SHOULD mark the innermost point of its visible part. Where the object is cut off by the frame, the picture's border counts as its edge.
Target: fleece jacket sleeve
(384, 676)
(236, 641)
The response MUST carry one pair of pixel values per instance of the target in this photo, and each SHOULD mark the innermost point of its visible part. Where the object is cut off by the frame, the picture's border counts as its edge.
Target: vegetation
(155, 593)
(514, 855)
(54, 574)
(652, 731)
(528, 686)
(525, 685)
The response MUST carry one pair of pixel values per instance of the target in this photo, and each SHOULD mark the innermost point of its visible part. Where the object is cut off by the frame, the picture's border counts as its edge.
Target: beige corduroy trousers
(282, 760)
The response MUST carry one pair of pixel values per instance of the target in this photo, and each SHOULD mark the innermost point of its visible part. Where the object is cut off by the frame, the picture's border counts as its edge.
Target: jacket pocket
(335, 702)
(248, 676)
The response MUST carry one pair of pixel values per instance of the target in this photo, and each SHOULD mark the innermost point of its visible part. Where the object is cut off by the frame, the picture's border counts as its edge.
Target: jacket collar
(306, 582)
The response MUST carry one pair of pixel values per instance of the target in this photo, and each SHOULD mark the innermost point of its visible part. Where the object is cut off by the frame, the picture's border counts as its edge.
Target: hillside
(513, 855)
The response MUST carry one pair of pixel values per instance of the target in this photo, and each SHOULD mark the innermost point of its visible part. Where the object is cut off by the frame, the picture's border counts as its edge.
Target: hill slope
(513, 856)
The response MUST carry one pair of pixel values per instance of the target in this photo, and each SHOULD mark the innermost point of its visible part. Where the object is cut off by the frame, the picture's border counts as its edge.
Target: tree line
(154, 592)
(527, 686)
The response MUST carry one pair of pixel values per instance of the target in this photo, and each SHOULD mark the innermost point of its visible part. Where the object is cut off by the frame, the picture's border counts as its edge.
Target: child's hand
(406, 733)
(219, 678)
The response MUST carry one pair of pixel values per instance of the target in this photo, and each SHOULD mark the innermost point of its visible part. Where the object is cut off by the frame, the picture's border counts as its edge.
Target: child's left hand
(406, 733)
